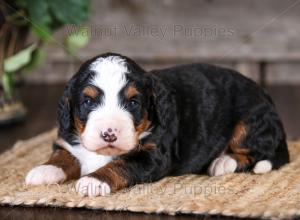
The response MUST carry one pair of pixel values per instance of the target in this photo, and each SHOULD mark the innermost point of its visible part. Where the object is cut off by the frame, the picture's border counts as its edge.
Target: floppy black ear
(64, 117)
(161, 101)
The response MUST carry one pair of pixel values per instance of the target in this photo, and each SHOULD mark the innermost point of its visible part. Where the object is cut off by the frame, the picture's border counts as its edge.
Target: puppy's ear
(161, 101)
(64, 116)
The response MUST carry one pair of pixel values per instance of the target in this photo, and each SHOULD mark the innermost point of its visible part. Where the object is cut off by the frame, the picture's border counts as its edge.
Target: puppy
(119, 125)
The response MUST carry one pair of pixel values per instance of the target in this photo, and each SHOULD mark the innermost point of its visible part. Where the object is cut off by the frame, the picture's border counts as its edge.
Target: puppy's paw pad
(263, 166)
(90, 186)
(222, 165)
(45, 174)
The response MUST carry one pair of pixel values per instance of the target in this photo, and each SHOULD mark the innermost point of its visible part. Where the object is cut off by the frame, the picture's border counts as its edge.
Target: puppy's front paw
(222, 165)
(90, 186)
(45, 174)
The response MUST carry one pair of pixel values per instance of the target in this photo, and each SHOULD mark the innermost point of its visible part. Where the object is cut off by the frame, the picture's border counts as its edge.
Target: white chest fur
(89, 161)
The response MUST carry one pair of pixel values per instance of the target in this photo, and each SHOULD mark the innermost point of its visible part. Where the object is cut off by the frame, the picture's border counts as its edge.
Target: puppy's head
(107, 105)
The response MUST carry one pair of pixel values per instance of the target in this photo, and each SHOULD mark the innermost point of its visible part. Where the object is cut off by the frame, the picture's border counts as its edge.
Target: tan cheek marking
(113, 174)
(149, 146)
(140, 128)
(130, 92)
(241, 154)
(90, 91)
(79, 125)
(143, 125)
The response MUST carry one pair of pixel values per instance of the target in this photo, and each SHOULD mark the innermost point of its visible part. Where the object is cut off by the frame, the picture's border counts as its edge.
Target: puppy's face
(109, 106)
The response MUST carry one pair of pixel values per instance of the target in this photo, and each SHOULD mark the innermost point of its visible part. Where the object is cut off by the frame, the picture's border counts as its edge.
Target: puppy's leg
(105, 180)
(257, 144)
(236, 155)
(60, 167)
(225, 164)
(140, 167)
(222, 165)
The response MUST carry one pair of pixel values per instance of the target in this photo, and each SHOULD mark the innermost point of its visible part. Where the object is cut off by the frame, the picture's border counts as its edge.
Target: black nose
(108, 136)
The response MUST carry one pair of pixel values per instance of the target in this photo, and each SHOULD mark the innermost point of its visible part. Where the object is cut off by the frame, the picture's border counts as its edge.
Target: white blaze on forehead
(110, 77)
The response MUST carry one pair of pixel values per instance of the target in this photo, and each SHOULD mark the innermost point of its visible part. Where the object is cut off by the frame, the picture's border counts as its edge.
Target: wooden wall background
(259, 38)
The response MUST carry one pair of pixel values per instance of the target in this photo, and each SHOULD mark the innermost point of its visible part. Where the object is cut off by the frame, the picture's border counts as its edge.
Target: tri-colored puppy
(120, 125)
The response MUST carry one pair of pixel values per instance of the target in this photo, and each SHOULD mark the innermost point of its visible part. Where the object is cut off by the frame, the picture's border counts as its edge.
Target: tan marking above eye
(90, 91)
(131, 91)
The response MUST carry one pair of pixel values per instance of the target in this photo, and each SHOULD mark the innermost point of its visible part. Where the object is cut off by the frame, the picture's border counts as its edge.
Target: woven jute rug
(272, 195)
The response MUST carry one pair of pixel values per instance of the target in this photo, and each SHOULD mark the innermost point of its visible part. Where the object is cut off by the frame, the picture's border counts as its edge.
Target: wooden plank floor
(41, 103)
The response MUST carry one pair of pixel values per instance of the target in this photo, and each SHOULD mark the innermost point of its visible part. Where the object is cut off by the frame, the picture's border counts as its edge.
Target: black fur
(194, 110)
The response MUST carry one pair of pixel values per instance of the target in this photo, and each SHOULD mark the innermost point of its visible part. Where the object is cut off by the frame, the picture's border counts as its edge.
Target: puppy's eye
(133, 103)
(88, 102)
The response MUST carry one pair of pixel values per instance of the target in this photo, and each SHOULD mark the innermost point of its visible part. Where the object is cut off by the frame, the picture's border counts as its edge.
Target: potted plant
(42, 18)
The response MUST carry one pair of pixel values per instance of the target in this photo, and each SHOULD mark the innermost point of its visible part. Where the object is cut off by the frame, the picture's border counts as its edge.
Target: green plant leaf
(42, 31)
(37, 58)
(47, 16)
(38, 12)
(20, 59)
(70, 11)
(77, 39)
(7, 83)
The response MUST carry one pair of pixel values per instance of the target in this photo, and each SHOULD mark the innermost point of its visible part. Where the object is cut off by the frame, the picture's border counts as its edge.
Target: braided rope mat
(272, 195)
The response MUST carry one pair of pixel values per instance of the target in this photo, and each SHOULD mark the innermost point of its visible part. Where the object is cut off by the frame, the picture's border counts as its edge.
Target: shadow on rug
(272, 195)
